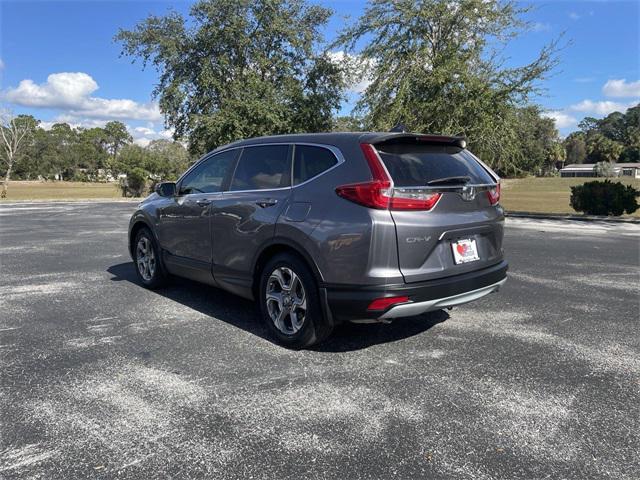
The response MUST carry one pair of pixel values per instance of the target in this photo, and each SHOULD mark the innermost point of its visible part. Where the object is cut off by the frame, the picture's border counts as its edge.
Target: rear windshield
(415, 165)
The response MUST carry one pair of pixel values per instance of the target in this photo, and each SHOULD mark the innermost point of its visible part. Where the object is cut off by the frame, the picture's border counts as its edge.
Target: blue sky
(58, 60)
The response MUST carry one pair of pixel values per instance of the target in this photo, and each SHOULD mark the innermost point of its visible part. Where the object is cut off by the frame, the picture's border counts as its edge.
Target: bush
(135, 182)
(604, 198)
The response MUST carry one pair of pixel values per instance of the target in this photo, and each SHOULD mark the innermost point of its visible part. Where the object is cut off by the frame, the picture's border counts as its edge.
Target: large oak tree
(239, 68)
(436, 66)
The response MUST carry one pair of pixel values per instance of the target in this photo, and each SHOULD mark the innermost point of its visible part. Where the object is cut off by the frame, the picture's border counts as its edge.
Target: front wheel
(290, 304)
(147, 260)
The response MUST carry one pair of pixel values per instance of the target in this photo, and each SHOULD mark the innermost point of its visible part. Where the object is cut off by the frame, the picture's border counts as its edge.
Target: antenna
(399, 128)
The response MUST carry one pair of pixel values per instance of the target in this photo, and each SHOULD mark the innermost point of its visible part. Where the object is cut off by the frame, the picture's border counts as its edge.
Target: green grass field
(544, 195)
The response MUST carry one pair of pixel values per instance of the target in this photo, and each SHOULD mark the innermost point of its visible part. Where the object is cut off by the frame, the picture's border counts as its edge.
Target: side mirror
(166, 189)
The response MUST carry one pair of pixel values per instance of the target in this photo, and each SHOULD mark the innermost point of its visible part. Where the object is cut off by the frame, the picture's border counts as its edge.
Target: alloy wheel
(145, 259)
(286, 300)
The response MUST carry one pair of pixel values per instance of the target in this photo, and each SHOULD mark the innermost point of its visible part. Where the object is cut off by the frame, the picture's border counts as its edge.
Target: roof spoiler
(458, 141)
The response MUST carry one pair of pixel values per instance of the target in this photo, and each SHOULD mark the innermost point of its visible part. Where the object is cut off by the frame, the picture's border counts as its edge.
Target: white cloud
(563, 120)
(574, 16)
(604, 107)
(1, 64)
(143, 142)
(73, 122)
(621, 89)
(144, 135)
(71, 91)
(144, 130)
(541, 27)
(358, 70)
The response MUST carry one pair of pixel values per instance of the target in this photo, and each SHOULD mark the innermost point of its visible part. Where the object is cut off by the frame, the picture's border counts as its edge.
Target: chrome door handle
(266, 202)
(203, 202)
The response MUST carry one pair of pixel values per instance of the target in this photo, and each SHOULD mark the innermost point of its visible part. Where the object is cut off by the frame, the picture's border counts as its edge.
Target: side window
(263, 167)
(209, 175)
(311, 161)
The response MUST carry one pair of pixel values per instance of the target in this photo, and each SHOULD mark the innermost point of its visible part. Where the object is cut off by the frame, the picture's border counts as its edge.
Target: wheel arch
(281, 245)
(139, 222)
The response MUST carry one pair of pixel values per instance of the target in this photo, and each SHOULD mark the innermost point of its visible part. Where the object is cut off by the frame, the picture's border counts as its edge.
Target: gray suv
(327, 228)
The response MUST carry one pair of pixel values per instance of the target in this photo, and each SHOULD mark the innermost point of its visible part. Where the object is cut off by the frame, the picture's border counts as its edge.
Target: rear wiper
(446, 180)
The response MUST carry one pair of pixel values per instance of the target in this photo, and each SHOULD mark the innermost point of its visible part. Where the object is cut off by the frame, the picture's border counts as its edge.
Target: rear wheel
(147, 260)
(290, 304)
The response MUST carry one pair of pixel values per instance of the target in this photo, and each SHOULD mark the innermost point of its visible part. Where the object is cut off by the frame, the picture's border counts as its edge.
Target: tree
(134, 184)
(588, 124)
(14, 132)
(60, 151)
(602, 149)
(94, 142)
(615, 138)
(576, 147)
(613, 127)
(606, 169)
(534, 144)
(239, 68)
(437, 68)
(170, 159)
(348, 123)
(115, 137)
(631, 152)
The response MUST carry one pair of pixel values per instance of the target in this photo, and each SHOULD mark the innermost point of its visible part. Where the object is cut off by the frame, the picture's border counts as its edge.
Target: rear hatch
(462, 231)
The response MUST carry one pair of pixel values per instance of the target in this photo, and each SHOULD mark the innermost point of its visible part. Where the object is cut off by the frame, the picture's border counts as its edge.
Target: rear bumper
(350, 302)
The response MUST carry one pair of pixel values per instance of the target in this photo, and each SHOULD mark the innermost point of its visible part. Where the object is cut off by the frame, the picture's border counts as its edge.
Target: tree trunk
(7, 177)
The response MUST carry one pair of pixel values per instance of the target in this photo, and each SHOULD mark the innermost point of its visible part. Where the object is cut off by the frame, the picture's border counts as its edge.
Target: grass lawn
(545, 195)
(19, 190)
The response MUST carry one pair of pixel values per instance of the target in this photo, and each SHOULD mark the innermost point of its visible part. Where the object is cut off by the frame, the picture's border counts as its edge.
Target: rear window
(311, 161)
(262, 168)
(415, 165)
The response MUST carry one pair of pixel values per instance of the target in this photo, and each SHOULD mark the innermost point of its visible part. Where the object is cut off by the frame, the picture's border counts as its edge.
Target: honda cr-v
(326, 228)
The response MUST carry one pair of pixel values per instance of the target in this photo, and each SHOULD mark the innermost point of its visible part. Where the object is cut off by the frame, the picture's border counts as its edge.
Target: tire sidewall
(307, 335)
(158, 275)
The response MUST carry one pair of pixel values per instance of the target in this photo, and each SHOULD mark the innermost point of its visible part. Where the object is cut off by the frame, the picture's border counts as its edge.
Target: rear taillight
(380, 304)
(413, 199)
(494, 194)
(379, 192)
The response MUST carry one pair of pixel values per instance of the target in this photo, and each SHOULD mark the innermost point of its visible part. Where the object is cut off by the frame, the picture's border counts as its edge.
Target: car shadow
(242, 313)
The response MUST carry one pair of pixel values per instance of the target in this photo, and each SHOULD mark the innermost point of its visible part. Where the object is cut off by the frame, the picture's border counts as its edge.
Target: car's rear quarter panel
(349, 244)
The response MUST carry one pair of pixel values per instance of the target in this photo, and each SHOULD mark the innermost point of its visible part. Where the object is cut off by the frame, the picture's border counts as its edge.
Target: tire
(149, 268)
(290, 304)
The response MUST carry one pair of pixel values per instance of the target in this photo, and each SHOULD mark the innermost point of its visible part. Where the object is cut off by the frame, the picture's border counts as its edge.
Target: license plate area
(464, 251)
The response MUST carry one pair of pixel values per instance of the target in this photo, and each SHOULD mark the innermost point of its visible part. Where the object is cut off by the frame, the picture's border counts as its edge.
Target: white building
(589, 170)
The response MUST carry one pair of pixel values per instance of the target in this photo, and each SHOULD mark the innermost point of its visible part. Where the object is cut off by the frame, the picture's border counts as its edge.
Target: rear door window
(310, 161)
(262, 168)
(415, 165)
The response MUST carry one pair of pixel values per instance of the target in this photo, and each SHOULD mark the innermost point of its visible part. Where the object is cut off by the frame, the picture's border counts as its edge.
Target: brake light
(494, 194)
(383, 303)
(379, 192)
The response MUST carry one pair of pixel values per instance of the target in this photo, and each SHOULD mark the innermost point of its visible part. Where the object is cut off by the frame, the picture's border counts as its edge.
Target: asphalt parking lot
(100, 378)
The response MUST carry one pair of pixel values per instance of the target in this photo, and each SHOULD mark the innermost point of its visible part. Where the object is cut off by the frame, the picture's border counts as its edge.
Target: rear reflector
(383, 303)
(494, 194)
(379, 192)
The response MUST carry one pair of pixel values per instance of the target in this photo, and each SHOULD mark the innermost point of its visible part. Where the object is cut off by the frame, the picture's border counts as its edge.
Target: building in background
(589, 170)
